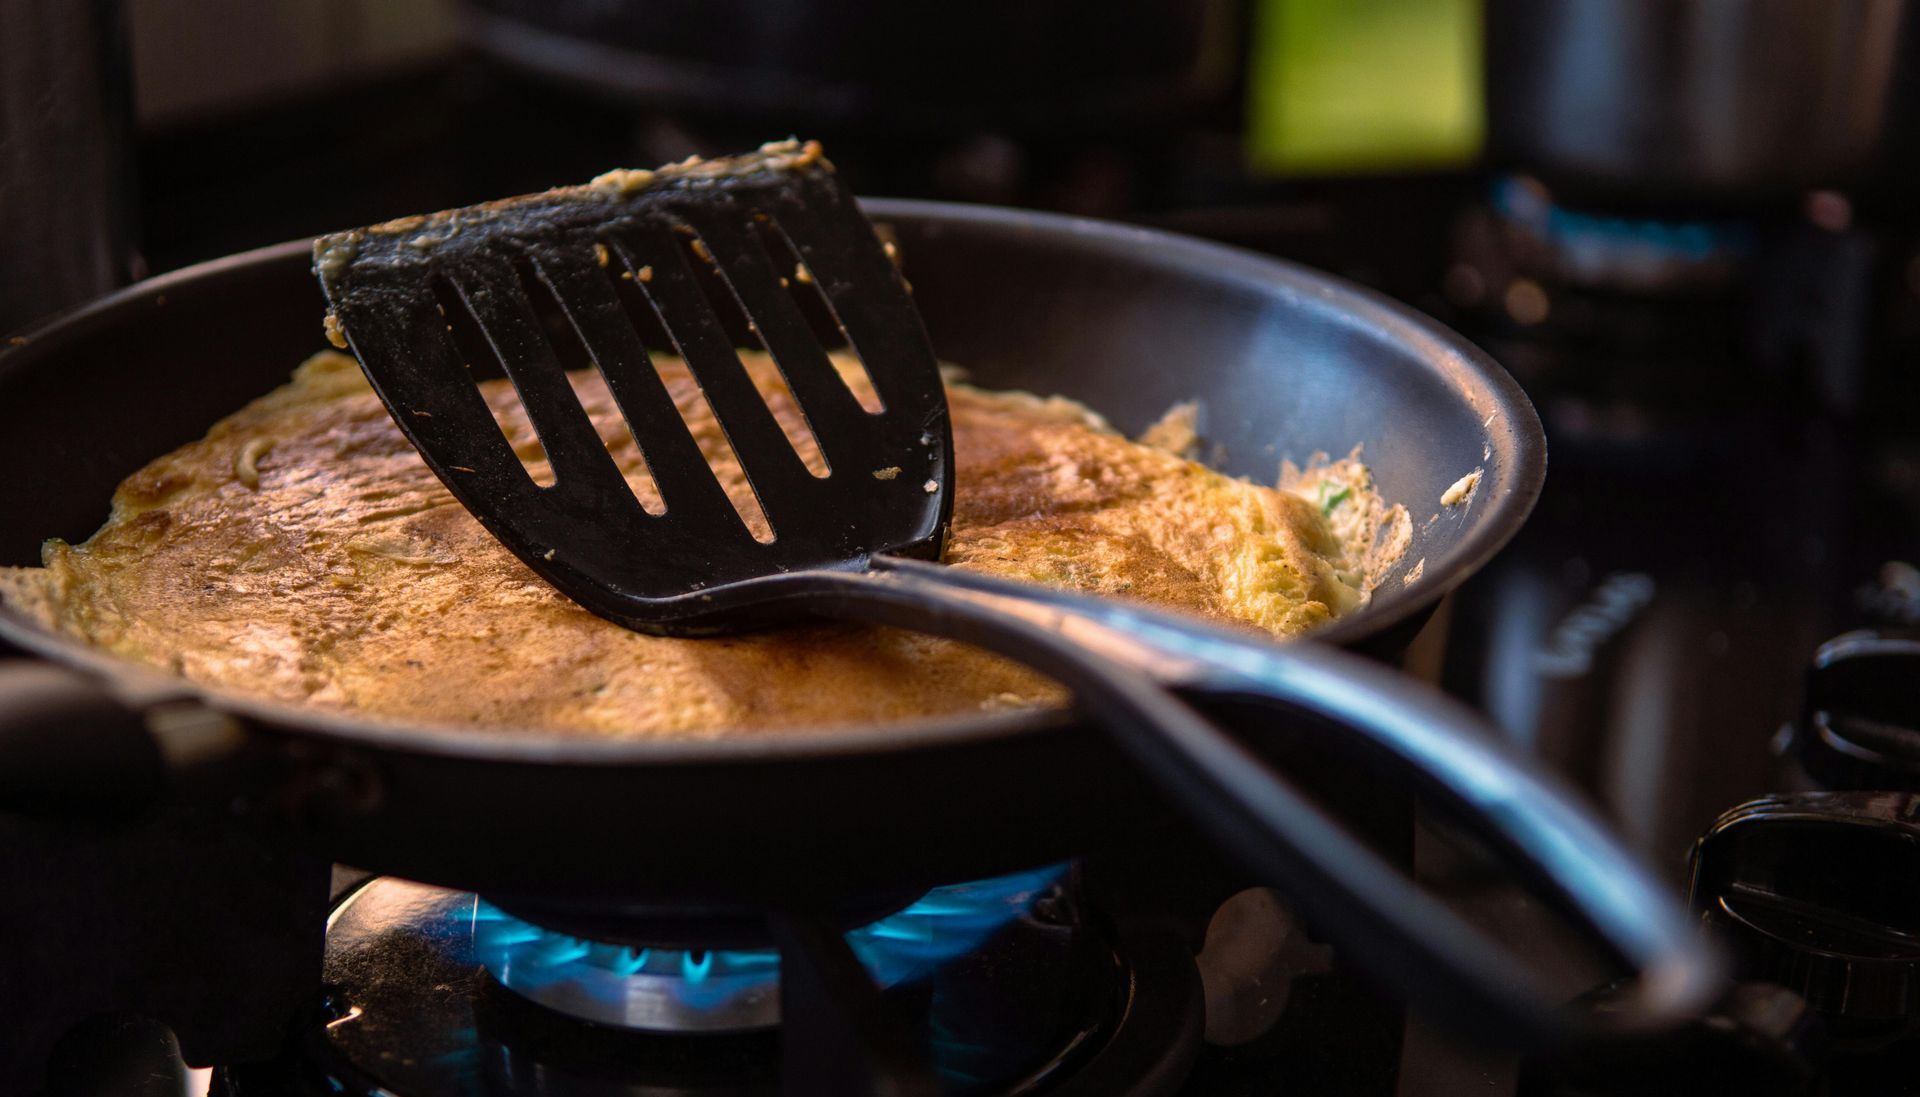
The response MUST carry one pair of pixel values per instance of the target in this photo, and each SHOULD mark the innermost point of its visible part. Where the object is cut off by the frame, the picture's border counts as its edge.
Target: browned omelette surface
(302, 550)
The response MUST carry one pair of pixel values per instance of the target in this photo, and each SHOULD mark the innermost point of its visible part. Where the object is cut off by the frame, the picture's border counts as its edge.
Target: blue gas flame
(1597, 235)
(911, 944)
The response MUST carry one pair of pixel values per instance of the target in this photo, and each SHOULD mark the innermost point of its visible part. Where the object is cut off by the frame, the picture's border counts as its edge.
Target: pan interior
(1284, 363)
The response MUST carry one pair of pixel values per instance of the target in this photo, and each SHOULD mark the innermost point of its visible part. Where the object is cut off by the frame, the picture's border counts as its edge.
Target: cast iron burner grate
(1000, 987)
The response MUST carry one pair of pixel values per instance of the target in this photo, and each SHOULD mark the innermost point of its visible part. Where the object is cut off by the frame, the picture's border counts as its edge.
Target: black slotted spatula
(631, 242)
(647, 248)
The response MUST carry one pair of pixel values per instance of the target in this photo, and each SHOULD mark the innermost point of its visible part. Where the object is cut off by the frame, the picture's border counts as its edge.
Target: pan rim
(1516, 439)
(1514, 434)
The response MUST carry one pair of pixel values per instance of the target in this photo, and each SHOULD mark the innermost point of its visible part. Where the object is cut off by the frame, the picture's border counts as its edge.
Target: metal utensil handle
(1124, 662)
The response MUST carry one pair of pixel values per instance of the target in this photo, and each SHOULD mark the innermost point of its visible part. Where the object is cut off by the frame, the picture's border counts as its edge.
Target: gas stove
(1655, 635)
(1155, 975)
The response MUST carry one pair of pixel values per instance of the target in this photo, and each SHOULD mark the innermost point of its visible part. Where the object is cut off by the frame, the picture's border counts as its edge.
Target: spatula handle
(1141, 673)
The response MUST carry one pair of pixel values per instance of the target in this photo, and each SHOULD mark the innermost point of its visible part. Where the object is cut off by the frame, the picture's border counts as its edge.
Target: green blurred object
(1344, 86)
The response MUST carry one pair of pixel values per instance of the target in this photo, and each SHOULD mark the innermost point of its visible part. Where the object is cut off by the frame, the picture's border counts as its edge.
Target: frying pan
(1285, 362)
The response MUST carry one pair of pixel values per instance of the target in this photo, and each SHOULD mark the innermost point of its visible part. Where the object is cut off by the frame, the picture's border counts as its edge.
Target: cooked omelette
(303, 551)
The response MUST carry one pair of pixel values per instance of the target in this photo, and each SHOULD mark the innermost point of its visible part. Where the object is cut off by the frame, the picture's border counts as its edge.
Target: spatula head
(765, 249)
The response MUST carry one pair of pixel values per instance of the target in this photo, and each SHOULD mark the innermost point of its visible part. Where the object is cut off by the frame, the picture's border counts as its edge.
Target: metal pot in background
(65, 179)
(1024, 63)
(1702, 99)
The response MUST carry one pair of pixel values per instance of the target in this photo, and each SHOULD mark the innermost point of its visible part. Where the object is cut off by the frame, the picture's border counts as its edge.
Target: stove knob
(1819, 892)
(1860, 725)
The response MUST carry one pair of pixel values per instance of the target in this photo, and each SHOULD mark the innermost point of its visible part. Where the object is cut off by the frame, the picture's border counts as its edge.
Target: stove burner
(1044, 1000)
(665, 989)
(1634, 254)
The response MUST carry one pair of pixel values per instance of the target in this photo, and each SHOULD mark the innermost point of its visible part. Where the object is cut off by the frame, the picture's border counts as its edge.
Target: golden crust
(336, 251)
(303, 551)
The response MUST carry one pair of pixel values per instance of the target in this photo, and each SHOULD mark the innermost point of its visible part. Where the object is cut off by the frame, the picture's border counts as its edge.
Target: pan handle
(1126, 663)
(71, 748)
